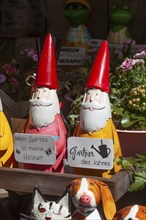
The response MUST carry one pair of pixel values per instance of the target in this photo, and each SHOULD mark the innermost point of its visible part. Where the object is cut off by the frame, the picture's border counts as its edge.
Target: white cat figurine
(47, 210)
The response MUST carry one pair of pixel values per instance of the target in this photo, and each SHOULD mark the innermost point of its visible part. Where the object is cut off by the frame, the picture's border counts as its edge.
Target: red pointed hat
(46, 73)
(99, 75)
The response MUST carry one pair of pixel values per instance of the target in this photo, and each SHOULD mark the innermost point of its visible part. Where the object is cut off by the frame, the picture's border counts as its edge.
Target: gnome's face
(95, 110)
(44, 106)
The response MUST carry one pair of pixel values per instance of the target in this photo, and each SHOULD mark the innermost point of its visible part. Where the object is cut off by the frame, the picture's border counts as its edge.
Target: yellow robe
(108, 132)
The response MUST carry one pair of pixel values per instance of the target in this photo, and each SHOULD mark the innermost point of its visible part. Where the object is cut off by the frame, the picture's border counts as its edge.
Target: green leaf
(127, 121)
(137, 185)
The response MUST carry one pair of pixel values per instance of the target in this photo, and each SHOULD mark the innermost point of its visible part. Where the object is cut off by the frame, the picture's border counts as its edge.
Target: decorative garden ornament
(77, 12)
(95, 111)
(6, 142)
(131, 212)
(86, 194)
(119, 18)
(44, 112)
(43, 209)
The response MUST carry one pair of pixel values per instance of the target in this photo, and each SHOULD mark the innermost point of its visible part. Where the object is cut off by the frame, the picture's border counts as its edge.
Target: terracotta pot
(132, 142)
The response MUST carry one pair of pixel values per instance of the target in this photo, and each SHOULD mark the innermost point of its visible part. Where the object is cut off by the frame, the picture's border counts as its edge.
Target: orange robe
(108, 132)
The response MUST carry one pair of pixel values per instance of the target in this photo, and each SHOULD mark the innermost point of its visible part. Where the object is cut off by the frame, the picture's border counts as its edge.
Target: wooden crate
(23, 181)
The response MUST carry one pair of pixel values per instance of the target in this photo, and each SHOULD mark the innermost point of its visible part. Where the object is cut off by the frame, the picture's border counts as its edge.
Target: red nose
(85, 199)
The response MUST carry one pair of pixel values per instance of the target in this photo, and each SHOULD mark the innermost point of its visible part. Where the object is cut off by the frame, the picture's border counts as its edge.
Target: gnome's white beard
(93, 116)
(42, 112)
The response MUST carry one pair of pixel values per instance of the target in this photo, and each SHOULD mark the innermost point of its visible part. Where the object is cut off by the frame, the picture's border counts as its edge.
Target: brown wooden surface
(19, 180)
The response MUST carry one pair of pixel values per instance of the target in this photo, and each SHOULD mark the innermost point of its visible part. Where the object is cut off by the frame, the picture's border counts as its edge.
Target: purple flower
(129, 42)
(30, 53)
(2, 78)
(35, 57)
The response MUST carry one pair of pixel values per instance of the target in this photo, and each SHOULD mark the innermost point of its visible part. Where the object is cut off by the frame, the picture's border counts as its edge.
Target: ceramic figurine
(43, 209)
(77, 12)
(86, 194)
(95, 112)
(44, 111)
(131, 212)
(6, 142)
(119, 18)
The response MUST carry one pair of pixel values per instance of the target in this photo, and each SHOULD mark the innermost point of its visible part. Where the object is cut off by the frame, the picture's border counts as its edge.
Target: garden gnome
(44, 112)
(77, 12)
(120, 18)
(95, 112)
(6, 142)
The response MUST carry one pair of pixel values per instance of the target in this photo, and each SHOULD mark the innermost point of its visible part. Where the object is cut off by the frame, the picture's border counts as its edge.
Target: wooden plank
(20, 180)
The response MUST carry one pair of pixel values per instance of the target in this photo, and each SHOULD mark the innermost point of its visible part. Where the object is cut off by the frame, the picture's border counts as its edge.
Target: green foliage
(136, 166)
(127, 87)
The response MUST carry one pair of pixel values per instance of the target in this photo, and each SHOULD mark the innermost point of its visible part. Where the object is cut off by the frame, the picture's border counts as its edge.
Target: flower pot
(132, 142)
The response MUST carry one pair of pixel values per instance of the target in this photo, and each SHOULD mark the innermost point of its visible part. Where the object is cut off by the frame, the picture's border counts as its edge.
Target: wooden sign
(35, 149)
(95, 153)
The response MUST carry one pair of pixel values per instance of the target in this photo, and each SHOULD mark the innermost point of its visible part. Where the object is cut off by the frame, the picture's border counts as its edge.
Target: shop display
(86, 194)
(91, 191)
(95, 113)
(120, 19)
(6, 142)
(77, 13)
(44, 111)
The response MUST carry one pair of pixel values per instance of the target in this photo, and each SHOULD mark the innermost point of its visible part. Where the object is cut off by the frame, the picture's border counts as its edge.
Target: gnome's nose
(91, 98)
(85, 199)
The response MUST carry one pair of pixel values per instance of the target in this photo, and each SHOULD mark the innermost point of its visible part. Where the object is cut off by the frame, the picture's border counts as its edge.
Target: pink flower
(140, 55)
(14, 81)
(128, 64)
(9, 68)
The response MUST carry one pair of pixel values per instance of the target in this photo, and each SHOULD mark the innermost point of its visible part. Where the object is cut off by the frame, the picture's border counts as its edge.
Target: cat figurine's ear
(37, 197)
(65, 200)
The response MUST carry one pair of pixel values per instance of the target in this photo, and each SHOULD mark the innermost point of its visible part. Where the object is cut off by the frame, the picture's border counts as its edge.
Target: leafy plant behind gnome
(128, 93)
(137, 167)
(127, 87)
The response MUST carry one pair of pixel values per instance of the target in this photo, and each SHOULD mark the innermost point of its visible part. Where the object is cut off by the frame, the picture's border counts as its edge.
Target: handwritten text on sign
(92, 153)
(71, 56)
(32, 148)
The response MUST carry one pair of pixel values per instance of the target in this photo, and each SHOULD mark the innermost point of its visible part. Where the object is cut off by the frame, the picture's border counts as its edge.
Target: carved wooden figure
(95, 112)
(44, 113)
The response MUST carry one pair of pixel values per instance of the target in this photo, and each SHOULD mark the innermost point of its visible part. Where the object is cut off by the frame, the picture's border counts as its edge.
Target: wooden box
(23, 181)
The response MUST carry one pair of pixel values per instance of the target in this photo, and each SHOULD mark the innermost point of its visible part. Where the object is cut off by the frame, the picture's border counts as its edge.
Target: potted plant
(127, 96)
(128, 100)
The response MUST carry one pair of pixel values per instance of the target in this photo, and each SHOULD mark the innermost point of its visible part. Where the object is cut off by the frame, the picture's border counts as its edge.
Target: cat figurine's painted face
(48, 210)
